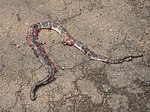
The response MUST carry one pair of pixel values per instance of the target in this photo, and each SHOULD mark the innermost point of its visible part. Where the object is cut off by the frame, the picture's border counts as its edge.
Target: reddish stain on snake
(38, 50)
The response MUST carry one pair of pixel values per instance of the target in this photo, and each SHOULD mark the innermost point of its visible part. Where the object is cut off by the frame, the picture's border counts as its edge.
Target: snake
(67, 39)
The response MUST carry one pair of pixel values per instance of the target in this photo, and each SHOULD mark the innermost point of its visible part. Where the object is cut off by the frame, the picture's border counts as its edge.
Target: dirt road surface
(110, 27)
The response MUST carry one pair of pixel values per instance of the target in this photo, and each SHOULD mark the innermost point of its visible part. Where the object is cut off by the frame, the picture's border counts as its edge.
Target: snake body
(38, 49)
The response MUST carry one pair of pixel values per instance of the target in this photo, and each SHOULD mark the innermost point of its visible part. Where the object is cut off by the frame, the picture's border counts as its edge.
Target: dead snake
(38, 49)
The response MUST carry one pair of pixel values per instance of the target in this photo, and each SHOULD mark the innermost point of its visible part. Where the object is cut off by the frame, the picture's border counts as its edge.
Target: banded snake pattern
(39, 51)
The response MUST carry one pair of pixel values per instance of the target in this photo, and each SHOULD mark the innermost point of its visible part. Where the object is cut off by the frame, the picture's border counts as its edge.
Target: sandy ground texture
(114, 28)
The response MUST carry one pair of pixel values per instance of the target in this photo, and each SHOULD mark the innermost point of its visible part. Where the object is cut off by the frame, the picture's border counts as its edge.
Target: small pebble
(18, 46)
(53, 40)
(63, 68)
(23, 42)
(24, 53)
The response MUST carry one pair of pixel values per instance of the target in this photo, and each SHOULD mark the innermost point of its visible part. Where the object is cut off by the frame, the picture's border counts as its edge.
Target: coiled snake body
(38, 49)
